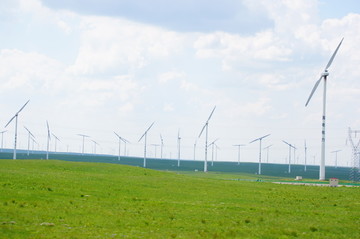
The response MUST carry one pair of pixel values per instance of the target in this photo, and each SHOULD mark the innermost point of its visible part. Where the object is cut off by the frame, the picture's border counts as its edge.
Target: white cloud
(169, 76)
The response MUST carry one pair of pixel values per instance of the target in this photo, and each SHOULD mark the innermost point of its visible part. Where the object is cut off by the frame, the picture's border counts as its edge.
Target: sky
(98, 67)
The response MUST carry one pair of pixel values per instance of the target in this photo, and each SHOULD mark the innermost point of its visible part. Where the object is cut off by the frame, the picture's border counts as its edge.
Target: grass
(58, 199)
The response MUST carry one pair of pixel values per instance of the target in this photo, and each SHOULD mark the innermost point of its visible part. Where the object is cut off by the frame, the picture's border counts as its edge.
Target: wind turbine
(195, 149)
(95, 143)
(48, 140)
(56, 139)
(145, 135)
(2, 139)
(83, 141)
(290, 146)
(16, 121)
(206, 138)
(29, 136)
(267, 153)
(178, 146)
(260, 139)
(336, 151)
(324, 76)
(239, 145)
(155, 146)
(121, 139)
(212, 151)
(161, 146)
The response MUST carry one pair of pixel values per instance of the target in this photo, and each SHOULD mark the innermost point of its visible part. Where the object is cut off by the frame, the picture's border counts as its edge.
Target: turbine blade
(10, 120)
(211, 114)
(117, 134)
(146, 131)
(313, 90)
(202, 130)
(23, 107)
(333, 56)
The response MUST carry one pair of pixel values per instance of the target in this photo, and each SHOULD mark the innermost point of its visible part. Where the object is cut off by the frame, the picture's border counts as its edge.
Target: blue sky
(104, 66)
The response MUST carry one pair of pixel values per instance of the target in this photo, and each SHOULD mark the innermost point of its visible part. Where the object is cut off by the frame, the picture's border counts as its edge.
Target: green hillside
(59, 199)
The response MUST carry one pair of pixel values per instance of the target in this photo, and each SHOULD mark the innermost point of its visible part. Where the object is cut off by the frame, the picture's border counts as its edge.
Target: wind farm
(129, 119)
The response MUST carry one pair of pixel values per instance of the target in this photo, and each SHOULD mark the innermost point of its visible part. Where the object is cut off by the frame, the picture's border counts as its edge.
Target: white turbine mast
(155, 147)
(238, 145)
(305, 148)
(324, 76)
(290, 146)
(206, 138)
(161, 146)
(195, 149)
(95, 143)
(83, 141)
(212, 144)
(16, 122)
(145, 137)
(29, 137)
(260, 139)
(178, 146)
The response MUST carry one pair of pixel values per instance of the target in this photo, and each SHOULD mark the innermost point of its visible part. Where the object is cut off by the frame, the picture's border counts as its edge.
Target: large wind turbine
(290, 146)
(239, 145)
(56, 139)
(16, 121)
(206, 138)
(324, 76)
(2, 139)
(145, 135)
(48, 140)
(260, 139)
(83, 141)
(29, 136)
(121, 139)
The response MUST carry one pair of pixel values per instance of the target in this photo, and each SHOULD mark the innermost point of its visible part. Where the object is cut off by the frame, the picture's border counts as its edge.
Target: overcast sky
(93, 67)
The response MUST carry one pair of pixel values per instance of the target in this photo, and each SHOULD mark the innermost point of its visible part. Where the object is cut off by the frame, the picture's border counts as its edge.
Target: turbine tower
(83, 141)
(305, 148)
(48, 140)
(239, 145)
(155, 146)
(161, 146)
(95, 143)
(195, 150)
(29, 136)
(145, 135)
(290, 146)
(16, 121)
(324, 76)
(260, 139)
(206, 138)
(212, 144)
(2, 139)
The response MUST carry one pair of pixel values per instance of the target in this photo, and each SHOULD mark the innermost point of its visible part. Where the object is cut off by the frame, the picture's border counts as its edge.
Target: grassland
(58, 199)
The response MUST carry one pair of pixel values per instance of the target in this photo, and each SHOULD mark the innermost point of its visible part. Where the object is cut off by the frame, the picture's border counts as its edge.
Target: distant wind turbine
(239, 145)
(95, 143)
(305, 148)
(155, 147)
(206, 138)
(324, 76)
(212, 144)
(48, 140)
(336, 151)
(290, 146)
(145, 135)
(56, 139)
(2, 139)
(83, 141)
(121, 139)
(195, 150)
(161, 146)
(260, 139)
(178, 146)
(267, 153)
(29, 136)
(16, 122)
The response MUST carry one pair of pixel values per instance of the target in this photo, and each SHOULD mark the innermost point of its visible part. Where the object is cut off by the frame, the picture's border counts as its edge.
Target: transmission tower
(354, 171)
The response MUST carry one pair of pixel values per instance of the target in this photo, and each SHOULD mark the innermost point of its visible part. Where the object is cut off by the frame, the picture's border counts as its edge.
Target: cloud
(169, 76)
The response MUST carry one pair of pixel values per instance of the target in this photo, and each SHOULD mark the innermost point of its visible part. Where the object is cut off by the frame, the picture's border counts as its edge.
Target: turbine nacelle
(325, 73)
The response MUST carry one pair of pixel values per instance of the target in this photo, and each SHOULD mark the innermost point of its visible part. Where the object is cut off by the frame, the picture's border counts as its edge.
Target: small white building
(334, 182)
(298, 178)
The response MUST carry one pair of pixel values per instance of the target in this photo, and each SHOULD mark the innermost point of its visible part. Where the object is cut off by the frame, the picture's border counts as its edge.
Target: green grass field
(59, 199)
